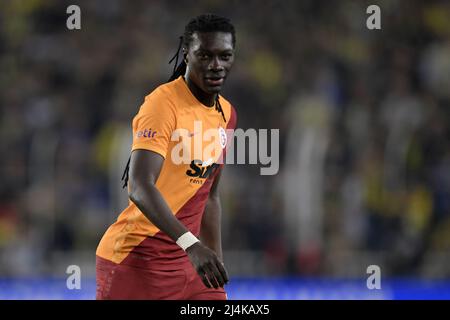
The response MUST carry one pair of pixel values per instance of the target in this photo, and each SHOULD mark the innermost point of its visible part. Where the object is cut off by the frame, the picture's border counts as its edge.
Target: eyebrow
(208, 51)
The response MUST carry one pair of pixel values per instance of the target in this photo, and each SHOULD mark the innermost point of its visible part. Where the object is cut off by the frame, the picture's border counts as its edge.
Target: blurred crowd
(364, 119)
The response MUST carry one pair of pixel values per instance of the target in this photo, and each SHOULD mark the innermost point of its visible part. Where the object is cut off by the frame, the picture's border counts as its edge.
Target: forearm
(210, 232)
(152, 204)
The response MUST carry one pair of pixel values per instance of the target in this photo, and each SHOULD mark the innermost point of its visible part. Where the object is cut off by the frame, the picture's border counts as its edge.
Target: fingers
(202, 275)
(210, 269)
(223, 272)
(211, 276)
(214, 276)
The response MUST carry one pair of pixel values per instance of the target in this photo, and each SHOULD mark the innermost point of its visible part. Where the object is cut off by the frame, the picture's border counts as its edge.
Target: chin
(213, 90)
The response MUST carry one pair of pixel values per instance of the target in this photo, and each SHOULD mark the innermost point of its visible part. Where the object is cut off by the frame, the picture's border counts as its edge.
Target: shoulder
(164, 93)
(229, 111)
(160, 100)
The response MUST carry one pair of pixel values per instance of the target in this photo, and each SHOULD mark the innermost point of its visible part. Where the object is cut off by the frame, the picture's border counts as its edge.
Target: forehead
(211, 41)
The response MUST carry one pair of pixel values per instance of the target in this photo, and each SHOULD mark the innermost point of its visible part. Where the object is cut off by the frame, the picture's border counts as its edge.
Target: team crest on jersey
(222, 137)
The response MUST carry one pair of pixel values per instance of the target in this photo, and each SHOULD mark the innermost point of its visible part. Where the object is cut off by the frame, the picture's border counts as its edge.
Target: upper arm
(145, 167)
(152, 131)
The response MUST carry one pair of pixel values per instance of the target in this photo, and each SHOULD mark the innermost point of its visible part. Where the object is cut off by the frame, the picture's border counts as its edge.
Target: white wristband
(186, 240)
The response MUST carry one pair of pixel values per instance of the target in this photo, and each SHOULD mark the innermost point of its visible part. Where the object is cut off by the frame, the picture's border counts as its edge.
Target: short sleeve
(153, 125)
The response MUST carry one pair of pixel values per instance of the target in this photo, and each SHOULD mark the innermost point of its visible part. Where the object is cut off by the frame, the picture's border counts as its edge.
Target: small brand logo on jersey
(222, 137)
(147, 133)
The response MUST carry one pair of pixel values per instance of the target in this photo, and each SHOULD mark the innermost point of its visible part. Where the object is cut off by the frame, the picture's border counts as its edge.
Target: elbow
(139, 191)
(133, 191)
(132, 195)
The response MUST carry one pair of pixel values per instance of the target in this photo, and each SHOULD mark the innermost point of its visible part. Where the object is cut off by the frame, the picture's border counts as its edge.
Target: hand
(208, 266)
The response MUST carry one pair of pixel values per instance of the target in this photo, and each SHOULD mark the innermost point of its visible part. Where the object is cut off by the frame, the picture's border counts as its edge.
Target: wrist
(187, 240)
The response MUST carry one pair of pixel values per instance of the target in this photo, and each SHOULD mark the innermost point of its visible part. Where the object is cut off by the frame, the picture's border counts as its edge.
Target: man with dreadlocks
(167, 243)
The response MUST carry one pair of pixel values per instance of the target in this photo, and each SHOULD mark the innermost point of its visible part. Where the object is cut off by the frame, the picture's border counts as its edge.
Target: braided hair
(202, 23)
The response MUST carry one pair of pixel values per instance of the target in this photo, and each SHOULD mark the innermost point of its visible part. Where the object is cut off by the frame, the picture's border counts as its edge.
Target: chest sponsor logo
(201, 170)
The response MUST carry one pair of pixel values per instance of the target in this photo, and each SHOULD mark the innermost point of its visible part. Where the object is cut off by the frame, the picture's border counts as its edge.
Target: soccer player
(167, 243)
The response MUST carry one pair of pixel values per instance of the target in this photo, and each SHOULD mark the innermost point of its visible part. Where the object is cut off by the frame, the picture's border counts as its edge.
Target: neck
(205, 98)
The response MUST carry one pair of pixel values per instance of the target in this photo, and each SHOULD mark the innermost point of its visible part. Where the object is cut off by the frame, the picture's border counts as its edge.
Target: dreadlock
(201, 23)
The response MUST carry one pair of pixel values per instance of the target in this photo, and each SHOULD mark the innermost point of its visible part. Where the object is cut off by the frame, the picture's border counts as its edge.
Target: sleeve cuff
(144, 146)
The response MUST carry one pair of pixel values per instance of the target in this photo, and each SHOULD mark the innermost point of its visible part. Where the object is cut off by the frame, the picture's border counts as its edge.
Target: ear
(185, 52)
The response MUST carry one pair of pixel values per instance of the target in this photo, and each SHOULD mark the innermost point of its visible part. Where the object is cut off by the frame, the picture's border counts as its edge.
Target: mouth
(214, 81)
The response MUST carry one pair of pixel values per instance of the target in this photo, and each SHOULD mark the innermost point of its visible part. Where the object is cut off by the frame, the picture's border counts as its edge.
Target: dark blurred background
(364, 119)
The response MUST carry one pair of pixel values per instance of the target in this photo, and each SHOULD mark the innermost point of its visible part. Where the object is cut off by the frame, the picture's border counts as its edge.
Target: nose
(215, 64)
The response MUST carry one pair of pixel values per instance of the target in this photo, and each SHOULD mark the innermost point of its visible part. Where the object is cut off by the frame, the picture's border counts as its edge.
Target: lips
(215, 81)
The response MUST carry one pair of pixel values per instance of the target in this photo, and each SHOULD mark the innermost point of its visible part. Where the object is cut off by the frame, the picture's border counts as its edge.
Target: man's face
(210, 57)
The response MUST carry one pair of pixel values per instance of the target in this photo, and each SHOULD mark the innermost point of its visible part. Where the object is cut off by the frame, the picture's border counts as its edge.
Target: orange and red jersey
(164, 124)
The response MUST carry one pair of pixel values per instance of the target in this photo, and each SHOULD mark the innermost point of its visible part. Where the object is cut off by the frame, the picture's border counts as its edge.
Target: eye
(203, 56)
(226, 56)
